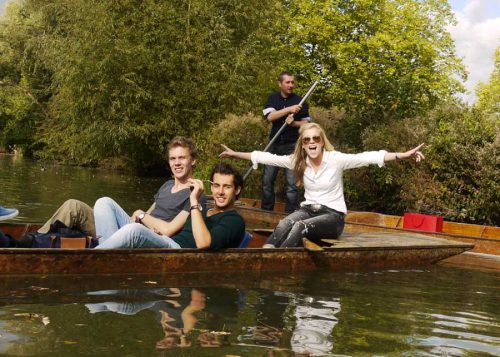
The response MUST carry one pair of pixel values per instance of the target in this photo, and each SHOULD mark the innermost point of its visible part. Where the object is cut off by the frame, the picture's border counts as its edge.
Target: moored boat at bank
(486, 239)
(367, 250)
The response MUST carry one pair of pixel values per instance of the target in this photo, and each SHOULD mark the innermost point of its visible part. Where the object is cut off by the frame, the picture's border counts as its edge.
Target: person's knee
(74, 206)
(129, 234)
(285, 223)
(300, 226)
(294, 237)
(72, 203)
(103, 202)
(132, 229)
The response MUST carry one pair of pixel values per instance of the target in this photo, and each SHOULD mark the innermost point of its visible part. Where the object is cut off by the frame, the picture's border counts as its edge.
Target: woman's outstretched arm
(390, 156)
(238, 155)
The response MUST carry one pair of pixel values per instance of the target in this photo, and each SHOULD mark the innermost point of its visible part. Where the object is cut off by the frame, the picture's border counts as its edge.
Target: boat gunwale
(397, 229)
(277, 251)
(437, 234)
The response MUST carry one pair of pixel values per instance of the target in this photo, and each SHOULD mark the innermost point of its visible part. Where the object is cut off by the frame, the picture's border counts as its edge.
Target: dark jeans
(314, 222)
(269, 178)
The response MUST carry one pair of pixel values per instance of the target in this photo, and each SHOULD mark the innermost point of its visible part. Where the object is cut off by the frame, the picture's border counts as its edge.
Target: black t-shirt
(276, 102)
(227, 230)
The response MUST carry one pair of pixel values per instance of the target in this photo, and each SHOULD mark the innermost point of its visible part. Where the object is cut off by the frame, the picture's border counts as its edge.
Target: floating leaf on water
(27, 314)
(32, 316)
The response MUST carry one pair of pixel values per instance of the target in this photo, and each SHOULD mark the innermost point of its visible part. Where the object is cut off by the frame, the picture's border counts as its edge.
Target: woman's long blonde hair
(299, 155)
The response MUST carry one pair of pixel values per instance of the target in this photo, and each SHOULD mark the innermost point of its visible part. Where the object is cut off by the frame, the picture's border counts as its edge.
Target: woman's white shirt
(325, 186)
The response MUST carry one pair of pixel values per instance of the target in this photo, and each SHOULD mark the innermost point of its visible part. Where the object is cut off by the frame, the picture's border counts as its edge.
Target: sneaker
(7, 213)
(268, 246)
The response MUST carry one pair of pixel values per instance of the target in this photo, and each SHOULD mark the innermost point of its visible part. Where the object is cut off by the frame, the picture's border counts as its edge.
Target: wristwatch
(199, 207)
(141, 216)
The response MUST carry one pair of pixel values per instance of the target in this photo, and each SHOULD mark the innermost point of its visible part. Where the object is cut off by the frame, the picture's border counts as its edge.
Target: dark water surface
(37, 190)
(435, 311)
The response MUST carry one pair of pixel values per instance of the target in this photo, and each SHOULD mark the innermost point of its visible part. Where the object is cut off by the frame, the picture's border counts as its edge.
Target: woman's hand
(227, 152)
(412, 153)
(231, 153)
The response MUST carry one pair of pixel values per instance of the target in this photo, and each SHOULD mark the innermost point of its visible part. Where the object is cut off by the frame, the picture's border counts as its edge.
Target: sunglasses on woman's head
(314, 139)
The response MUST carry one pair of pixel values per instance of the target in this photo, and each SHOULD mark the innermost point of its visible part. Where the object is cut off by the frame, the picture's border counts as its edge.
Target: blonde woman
(319, 168)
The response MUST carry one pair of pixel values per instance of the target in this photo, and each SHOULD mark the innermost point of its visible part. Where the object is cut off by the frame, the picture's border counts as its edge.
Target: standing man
(281, 107)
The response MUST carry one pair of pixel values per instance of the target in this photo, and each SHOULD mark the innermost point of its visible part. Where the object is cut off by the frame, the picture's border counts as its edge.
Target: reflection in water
(308, 321)
(418, 312)
(314, 323)
(177, 314)
(262, 335)
(128, 307)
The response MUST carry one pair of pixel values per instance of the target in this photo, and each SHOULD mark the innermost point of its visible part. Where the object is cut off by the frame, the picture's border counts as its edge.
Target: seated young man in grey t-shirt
(167, 214)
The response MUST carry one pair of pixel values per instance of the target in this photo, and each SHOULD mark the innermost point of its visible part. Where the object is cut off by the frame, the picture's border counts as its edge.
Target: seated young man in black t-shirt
(222, 228)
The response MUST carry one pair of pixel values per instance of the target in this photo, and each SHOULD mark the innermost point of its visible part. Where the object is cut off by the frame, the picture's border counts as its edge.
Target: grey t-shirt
(168, 204)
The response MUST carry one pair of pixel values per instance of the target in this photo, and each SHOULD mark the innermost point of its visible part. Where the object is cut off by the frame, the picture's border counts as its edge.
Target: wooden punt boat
(375, 250)
(486, 239)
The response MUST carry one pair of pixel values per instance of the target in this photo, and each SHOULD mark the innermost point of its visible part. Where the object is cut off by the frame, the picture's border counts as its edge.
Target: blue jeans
(269, 178)
(135, 235)
(314, 222)
(109, 217)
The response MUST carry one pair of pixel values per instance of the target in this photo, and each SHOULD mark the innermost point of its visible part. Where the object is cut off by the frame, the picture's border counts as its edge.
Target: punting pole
(282, 127)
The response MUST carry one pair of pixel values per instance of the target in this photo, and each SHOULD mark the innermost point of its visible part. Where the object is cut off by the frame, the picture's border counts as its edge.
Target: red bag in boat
(423, 222)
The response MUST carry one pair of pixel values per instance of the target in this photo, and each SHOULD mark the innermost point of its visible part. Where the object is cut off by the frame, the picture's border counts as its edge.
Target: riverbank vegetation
(107, 83)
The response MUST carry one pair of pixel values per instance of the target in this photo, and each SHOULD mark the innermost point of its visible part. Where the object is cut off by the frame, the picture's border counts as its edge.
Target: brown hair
(299, 155)
(226, 169)
(184, 143)
(282, 75)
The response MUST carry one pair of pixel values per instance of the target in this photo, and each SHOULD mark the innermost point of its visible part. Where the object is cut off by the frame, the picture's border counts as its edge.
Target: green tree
(24, 80)
(489, 93)
(459, 178)
(377, 59)
(126, 76)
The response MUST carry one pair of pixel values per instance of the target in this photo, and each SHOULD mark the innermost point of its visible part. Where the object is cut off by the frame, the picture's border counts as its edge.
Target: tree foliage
(118, 78)
(94, 82)
(459, 178)
(126, 76)
(489, 93)
(24, 80)
(377, 59)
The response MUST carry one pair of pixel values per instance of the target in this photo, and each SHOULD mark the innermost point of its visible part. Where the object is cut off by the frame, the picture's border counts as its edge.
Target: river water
(37, 190)
(431, 311)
